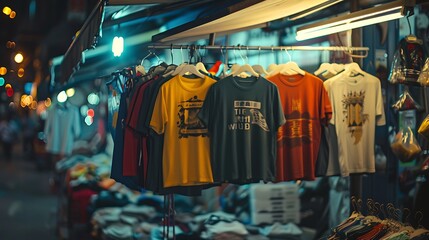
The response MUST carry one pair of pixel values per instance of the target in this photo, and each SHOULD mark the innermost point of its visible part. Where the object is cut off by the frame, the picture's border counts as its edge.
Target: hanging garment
(243, 116)
(307, 108)
(357, 106)
(62, 128)
(186, 158)
(118, 149)
(155, 144)
(133, 152)
(329, 135)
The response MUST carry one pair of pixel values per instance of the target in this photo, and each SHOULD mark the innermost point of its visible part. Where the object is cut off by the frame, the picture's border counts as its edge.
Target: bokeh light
(84, 110)
(10, 44)
(3, 71)
(7, 10)
(88, 120)
(12, 14)
(1, 81)
(20, 72)
(90, 112)
(48, 102)
(19, 58)
(9, 92)
(70, 92)
(62, 97)
(93, 99)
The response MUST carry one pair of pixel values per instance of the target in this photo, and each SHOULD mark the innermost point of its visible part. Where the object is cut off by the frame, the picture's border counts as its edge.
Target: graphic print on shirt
(353, 113)
(298, 127)
(246, 114)
(189, 124)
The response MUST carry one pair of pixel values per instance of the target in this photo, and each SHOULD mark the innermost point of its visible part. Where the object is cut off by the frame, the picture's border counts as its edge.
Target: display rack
(345, 49)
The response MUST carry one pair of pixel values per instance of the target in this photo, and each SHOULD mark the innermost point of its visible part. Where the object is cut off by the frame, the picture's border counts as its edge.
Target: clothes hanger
(243, 70)
(200, 65)
(187, 69)
(237, 69)
(271, 67)
(353, 69)
(420, 230)
(178, 68)
(140, 68)
(221, 70)
(289, 68)
(258, 67)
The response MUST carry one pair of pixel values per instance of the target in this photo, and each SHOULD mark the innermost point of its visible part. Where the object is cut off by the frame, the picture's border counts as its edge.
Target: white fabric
(278, 230)
(62, 127)
(224, 227)
(357, 106)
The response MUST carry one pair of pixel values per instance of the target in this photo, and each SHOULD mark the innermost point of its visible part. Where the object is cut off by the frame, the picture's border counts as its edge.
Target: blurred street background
(27, 206)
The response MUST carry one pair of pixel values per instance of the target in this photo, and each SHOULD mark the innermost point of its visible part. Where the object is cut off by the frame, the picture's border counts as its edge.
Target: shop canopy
(164, 21)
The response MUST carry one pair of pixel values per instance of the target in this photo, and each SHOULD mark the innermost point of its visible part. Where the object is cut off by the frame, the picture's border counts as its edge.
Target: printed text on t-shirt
(248, 113)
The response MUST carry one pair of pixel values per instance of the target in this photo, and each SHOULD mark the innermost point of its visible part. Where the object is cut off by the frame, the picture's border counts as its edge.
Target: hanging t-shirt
(357, 105)
(62, 128)
(186, 158)
(334, 168)
(243, 115)
(118, 149)
(134, 154)
(306, 107)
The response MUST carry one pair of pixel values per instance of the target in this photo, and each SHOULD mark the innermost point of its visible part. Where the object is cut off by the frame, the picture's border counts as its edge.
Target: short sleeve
(204, 113)
(325, 106)
(279, 117)
(159, 115)
(381, 118)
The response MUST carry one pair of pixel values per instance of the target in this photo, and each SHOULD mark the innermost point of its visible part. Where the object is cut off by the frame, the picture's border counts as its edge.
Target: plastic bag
(407, 61)
(405, 145)
(406, 102)
(424, 128)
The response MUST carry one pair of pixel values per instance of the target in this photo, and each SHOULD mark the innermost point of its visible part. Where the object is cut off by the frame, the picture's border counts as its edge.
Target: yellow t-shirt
(186, 151)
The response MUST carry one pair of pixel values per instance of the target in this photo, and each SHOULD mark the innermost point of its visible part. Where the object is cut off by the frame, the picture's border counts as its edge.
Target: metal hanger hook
(247, 53)
(287, 52)
(241, 54)
(150, 53)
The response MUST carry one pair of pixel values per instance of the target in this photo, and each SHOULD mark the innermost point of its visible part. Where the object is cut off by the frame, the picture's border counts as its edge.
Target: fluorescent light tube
(313, 10)
(353, 20)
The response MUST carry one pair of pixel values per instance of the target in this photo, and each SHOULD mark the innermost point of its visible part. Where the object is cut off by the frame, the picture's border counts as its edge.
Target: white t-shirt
(62, 127)
(357, 106)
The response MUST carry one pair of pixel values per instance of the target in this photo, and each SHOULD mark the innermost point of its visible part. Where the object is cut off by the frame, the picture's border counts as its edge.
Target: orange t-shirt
(306, 107)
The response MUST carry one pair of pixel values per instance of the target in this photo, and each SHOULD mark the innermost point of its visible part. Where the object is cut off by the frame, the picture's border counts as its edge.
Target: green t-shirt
(243, 116)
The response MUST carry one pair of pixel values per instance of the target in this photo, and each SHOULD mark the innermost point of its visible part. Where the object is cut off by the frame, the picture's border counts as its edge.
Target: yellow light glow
(20, 72)
(19, 58)
(7, 10)
(7, 86)
(3, 71)
(48, 102)
(12, 14)
(70, 92)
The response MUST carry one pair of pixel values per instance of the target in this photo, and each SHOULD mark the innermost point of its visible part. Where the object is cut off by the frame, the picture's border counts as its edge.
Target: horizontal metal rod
(260, 48)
